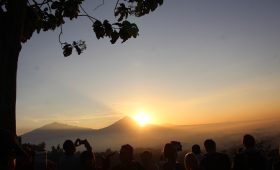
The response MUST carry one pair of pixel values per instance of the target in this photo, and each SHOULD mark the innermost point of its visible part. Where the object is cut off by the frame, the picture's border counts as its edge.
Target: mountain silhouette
(124, 125)
(127, 130)
(55, 133)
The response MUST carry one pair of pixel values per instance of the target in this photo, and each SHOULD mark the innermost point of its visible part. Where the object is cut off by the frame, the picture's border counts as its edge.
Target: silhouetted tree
(39, 147)
(21, 18)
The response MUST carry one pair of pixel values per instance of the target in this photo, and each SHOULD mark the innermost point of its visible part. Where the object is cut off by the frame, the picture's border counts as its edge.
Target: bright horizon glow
(142, 118)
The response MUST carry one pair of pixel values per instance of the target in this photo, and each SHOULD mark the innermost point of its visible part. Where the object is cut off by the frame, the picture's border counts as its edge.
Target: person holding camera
(87, 158)
(71, 161)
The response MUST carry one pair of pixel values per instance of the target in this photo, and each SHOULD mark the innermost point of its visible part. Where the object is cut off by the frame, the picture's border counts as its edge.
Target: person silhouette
(170, 153)
(69, 161)
(126, 159)
(192, 159)
(87, 158)
(147, 161)
(197, 152)
(250, 157)
(214, 160)
(87, 161)
(105, 163)
(191, 162)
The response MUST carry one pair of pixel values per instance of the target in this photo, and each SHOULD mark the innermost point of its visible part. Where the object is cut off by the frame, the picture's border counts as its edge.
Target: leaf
(67, 50)
(79, 46)
(108, 28)
(134, 30)
(152, 4)
(124, 35)
(55, 5)
(123, 11)
(114, 37)
(160, 2)
(121, 17)
(98, 29)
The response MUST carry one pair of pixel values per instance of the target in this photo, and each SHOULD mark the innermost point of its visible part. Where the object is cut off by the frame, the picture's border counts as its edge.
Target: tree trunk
(10, 46)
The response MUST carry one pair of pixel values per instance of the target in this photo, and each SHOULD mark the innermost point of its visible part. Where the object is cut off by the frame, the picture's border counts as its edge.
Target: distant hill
(126, 130)
(55, 133)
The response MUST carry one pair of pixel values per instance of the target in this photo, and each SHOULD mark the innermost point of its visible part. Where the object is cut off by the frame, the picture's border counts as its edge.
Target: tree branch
(87, 15)
(116, 5)
(99, 5)
(59, 36)
(90, 17)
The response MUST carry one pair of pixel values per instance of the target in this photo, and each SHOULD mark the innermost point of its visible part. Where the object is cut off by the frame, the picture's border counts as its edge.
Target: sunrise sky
(195, 61)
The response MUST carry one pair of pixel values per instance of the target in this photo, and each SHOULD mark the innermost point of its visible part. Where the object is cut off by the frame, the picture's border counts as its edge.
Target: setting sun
(142, 118)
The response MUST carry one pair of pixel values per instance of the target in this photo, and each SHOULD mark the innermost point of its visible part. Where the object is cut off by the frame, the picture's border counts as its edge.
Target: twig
(59, 37)
(87, 15)
(99, 5)
(116, 5)
(90, 17)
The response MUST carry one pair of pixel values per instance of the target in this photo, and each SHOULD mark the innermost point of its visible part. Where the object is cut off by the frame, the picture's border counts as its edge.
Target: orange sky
(210, 64)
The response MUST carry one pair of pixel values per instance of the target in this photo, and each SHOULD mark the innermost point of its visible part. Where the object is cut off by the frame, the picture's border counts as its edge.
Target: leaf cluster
(137, 8)
(123, 30)
(48, 15)
(45, 15)
(79, 46)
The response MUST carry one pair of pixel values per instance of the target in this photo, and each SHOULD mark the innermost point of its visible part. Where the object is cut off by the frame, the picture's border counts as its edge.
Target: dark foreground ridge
(79, 154)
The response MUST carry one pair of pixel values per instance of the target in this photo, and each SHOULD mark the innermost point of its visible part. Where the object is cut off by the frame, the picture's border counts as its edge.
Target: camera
(79, 142)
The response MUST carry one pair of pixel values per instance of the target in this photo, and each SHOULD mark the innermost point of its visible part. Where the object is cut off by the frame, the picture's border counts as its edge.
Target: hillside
(55, 133)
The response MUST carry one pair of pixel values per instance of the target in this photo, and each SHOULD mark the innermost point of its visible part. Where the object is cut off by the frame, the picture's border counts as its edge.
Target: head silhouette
(196, 149)
(210, 145)
(170, 152)
(126, 153)
(191, 162)
(69, 147)
(249, 141)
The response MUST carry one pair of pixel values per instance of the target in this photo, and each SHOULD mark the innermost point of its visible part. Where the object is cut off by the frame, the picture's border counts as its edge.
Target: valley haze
(126, 130)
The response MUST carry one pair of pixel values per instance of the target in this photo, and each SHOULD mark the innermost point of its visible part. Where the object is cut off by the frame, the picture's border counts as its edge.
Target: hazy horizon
(265, 122)
(194, 62)
(127, 130)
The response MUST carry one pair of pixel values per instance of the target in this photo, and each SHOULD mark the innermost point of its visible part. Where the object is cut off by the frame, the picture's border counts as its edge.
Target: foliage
(55, 153)
(45, 15)
(39, 147)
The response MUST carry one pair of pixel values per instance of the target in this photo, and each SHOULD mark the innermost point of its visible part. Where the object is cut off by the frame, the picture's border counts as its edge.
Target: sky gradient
(194, 62)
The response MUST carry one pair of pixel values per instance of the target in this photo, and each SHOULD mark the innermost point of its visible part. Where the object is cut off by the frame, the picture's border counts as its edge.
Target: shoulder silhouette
(170, 152)
(249, 158)
(127, 161)
(147, 161)
(214, 160)
(192, 159)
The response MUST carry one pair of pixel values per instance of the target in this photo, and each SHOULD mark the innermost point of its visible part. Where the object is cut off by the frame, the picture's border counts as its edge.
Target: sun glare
(142, 118)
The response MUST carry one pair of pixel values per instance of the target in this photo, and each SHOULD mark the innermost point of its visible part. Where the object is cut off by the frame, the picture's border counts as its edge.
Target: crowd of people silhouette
(247, 158)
